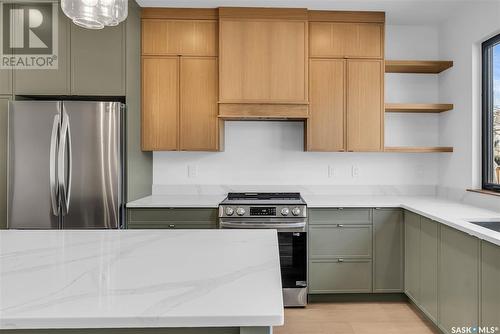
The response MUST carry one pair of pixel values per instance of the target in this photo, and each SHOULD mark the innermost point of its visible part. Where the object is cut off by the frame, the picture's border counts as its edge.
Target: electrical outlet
(192, 171)
(331, 171)
(355, 171)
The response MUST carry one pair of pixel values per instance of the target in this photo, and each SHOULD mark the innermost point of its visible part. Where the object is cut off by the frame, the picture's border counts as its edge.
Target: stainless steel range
(285, 212)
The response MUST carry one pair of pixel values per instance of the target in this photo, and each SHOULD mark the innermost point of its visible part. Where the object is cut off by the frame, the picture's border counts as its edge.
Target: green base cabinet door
(429, 234)
(340, 276)
(4, 105)
(412, 256)
(388, 250)
(98, 61)
(175, 218)
(490, 285)
(458, 292)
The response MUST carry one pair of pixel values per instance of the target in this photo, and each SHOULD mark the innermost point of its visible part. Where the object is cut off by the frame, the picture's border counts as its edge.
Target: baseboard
(357, 297)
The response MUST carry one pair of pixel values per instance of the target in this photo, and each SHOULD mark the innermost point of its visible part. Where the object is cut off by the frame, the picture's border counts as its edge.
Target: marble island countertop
(454, 214)
(134, 278)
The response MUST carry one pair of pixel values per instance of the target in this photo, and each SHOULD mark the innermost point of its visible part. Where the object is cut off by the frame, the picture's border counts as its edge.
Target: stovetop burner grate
(263, 196)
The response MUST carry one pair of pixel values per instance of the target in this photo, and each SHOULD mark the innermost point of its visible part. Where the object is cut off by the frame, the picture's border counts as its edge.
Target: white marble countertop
(451, 213)
(137, 278)
(177, 201)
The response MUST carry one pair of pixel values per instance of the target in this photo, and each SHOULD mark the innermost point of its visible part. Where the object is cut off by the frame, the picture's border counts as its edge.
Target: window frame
(487, 116)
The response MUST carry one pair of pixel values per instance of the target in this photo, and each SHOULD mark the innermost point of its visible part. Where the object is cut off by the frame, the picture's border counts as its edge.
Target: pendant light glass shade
(95, 14)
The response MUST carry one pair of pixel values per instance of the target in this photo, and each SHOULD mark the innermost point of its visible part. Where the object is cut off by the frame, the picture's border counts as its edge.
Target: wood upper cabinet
(160, 103)
(198, 104)
(263, 57)
(325, 127)
(179, 37)
(365, 110)
(346, 40)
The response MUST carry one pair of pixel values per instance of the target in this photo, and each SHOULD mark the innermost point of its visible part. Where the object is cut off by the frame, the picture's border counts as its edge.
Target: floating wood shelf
(418, 107)
(417, 66)
(418, 149)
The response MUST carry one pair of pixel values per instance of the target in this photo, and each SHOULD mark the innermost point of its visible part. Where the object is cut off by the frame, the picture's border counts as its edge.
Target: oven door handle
(278, 226)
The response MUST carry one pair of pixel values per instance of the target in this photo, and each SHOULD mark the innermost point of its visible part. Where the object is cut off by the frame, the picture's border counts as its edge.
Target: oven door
(293, 259)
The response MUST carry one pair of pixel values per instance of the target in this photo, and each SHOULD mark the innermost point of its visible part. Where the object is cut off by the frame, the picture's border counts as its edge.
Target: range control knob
(240, 211)
(285, 211)
(229, 211)
(296, 211)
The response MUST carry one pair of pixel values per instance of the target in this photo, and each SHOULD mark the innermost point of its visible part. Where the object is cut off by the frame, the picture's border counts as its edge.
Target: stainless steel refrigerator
(65, 165)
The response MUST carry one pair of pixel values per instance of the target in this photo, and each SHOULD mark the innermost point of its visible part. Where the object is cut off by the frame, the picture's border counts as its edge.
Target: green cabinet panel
(388, 250)
(412, 256)
(340, 276)
(340, 216)
(490, 284)
(429, 241)
(458, 276)
(6, 81)
(4, 104)
(176, 218)
(349, 241)
(48, 81)
(98, 61)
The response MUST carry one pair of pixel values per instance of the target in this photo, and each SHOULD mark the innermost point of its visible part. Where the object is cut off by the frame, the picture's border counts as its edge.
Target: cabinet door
(4, 104)
(365, 113)
(325, 126)
(186, 218)
(490, 287)
(344, 241)
(458, 276)
(198, 104)
(388, 250)
(48, 81)
(340, 276)
(98, 61)
(429, 267)
(179, 37)
(160, 103)
(263, 61)
(351, 40)
(412, 256)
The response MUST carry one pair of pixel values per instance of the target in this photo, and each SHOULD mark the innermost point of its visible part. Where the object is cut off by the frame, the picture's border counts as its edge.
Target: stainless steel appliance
(65, 165)
(285, 212)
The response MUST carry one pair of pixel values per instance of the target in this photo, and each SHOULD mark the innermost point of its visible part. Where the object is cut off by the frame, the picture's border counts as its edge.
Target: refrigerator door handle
(54, 191)
(65, 175)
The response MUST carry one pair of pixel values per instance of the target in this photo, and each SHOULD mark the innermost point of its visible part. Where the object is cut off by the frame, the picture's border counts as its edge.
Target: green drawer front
(350, 241)
(340, 216)
(332, 276)
(176, 225)
(166, 215)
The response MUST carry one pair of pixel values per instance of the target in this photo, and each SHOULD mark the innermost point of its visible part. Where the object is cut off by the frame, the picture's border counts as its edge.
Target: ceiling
(397, 12)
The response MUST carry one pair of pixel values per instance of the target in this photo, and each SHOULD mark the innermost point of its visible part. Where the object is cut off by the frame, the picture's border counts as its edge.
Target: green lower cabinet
(458, 275)
(4, 105)
(340, 251)
(175, 218)
(388, 250)
(334, 241)
(340, 276)
(412, 256)
(490, 285)
(429, 242)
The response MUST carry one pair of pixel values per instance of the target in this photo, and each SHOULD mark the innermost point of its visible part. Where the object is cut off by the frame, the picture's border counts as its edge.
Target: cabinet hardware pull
(171, 226)
(340, 225)
(340, 260)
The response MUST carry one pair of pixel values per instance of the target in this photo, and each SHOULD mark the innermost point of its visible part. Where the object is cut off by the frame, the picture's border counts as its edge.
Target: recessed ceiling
(397, 12)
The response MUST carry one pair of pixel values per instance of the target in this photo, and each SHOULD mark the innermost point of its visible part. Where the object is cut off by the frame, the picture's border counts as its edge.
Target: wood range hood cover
(263, 63)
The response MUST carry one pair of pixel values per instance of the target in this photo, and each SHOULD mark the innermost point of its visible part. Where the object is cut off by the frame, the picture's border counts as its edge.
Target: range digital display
(262, 211)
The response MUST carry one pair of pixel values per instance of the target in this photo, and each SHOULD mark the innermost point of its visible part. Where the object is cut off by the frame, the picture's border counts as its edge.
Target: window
(491, 114)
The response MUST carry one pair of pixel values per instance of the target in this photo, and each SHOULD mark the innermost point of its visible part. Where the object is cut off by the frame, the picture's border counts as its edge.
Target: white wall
(260, 153)
(460, 40)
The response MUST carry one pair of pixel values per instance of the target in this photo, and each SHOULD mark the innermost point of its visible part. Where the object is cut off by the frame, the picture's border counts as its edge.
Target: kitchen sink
(493, 225)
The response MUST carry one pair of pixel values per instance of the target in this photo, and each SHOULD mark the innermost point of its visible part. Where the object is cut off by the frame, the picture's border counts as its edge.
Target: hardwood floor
(355, 318)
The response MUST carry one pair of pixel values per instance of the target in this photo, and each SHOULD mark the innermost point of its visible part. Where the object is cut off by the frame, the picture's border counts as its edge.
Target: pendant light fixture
(95, 14)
